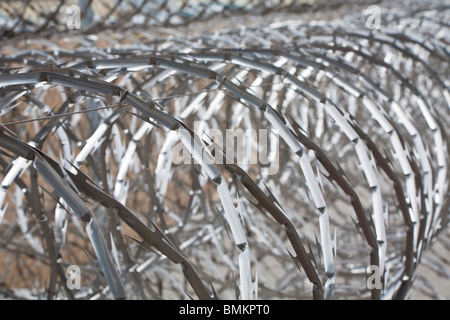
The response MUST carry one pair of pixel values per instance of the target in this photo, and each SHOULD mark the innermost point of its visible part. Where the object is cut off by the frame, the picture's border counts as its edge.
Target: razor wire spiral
(89, 119)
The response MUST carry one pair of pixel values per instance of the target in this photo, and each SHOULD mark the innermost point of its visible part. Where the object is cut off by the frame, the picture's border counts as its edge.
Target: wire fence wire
(97, 15)
(351, 117)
